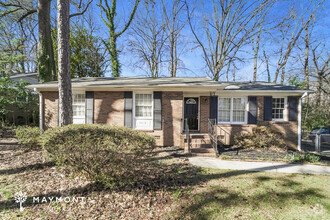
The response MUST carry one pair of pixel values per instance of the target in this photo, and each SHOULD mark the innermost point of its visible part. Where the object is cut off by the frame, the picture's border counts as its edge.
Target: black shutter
(268, 108)
(214, 108)
(89, 113)
(253, 110)
(157, 110)
(293, 108)
(128, 109)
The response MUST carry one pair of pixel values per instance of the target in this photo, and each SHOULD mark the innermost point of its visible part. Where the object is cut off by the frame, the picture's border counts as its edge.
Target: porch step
(203, 155)
(202, 150)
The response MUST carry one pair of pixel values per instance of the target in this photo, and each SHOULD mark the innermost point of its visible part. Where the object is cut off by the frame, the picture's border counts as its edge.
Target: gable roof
(205, 83)
(30, 77)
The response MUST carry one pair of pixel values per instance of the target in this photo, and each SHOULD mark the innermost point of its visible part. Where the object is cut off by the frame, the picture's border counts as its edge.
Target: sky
(192, 58)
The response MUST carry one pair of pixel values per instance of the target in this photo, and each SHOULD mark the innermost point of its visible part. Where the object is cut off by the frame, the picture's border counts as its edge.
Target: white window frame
(135, 118)
(231, 110)
(285, 110)
(78, 118)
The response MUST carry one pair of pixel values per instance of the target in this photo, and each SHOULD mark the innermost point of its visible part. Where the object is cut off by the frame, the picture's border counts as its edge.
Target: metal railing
(212, 131)
(319, 138)
(186, 130)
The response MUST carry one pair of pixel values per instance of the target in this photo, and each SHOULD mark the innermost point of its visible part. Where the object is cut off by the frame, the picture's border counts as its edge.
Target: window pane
(224, 106)
(278, 108)
(78, 105)
(143, 105)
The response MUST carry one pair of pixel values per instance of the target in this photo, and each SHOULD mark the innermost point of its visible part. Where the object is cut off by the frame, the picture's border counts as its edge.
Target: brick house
(160, 106)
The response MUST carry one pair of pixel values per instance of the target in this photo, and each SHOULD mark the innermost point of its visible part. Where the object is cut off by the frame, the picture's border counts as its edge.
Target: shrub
(29, 137)
(261, 137)
(108, 155)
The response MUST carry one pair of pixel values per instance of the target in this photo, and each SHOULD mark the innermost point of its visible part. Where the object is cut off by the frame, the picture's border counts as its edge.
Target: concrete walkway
(258, 166)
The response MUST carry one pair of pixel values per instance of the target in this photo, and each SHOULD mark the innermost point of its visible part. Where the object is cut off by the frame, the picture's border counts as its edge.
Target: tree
(109, 21)
(225, 31)
(64, 78)
(256, 41)
(88, 59)
(147, 40)
(322, 73)
(46, 62)
(290, 33)
(173, 27)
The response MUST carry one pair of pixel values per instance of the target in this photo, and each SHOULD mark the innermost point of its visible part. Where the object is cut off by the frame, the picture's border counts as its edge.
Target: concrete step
(203, 155)
(202, 150)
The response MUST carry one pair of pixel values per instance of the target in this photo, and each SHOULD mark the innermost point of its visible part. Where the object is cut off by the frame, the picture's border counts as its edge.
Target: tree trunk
(267, 66)
(46, 62)
(306, 65)
(64, 77)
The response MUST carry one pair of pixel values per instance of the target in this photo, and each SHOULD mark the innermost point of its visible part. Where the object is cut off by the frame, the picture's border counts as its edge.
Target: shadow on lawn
(172, 177)
(210, 203)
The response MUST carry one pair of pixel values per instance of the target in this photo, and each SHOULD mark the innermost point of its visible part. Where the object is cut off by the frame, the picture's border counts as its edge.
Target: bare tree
(322, 72)
(292, 30)
(267, 65)
(109, 21)
(173, 26)
(64, 77)
(256, 41)
(226, 30)
(147, 40)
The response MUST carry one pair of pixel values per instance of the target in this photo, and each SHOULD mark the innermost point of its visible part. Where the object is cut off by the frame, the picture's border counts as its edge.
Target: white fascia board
(262, 92)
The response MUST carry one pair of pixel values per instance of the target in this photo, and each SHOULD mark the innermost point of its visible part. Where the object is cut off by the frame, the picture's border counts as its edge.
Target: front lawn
(182, 192)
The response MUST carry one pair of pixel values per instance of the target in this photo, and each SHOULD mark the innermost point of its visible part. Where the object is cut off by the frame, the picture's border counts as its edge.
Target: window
(279, 109)
(232, 110)
(143, 113)
(224, 109)
(78, 107)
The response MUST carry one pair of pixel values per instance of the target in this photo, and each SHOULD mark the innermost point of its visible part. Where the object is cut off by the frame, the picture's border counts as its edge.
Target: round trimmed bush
(261, 137)
(108, 154)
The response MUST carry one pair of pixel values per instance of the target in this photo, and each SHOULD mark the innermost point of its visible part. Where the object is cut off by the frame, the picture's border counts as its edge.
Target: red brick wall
(204, 113)
(109, 108)
(50, 113)
(289, 129)
(172, 107)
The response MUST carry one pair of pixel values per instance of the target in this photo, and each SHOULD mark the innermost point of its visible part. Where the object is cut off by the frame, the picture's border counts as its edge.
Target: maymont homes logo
(21, 197)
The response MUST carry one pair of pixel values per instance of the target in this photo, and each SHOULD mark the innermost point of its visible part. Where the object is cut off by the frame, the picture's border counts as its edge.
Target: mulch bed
(235, 153)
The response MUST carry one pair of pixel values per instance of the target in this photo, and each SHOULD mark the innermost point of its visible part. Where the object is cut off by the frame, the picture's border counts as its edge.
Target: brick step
(200, 145)
(202, 150)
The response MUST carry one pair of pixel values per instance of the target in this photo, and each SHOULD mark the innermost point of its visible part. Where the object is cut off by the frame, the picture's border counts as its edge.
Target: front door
(191, 113)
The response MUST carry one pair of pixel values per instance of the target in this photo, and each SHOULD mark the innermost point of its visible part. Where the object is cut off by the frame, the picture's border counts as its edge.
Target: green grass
(258, 195)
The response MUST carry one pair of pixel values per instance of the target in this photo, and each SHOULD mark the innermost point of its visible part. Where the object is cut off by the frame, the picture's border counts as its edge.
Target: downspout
(41, 110)
(299, 120)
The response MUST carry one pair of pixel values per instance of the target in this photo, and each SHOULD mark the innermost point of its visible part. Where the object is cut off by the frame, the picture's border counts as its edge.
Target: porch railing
(186, 130)
(212, 131)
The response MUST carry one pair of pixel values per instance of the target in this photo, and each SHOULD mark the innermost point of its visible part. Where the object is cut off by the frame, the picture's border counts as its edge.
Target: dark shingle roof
(164, 82)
